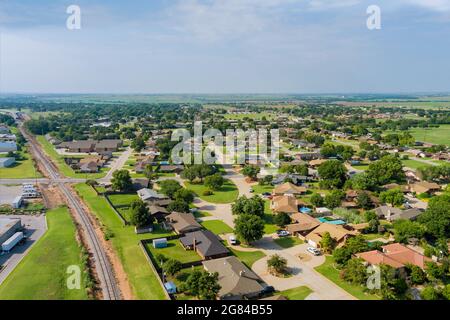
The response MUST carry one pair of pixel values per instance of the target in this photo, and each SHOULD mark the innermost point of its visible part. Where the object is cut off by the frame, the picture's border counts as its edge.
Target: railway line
(103, 266)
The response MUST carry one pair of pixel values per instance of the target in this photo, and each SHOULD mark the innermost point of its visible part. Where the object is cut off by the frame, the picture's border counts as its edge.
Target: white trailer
(11, 242)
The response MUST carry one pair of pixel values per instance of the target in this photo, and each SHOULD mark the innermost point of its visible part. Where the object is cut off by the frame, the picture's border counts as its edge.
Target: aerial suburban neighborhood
(219, 158)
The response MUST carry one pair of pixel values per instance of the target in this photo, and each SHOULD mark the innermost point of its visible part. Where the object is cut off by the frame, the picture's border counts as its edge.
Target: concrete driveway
(303, 273)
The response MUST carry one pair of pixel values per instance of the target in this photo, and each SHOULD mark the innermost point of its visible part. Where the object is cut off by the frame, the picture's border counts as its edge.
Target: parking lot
(35, 227)
(9, 193)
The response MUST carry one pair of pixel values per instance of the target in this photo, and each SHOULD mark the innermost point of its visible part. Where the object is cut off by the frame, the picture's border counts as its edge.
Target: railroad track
(103, 266)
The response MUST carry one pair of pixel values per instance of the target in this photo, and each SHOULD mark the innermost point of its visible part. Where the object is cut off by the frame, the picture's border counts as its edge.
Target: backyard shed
(160, 243)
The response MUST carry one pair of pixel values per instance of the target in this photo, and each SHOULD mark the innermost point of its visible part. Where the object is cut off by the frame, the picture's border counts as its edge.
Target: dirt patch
(119, 272)
(304, 257)
(51, 196)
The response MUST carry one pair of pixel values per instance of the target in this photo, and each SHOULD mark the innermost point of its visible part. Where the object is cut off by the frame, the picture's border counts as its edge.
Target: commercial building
(8, 227)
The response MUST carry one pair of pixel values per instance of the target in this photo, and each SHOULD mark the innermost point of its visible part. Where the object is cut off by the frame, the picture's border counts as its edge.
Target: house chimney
(194, 246)
(241, 273)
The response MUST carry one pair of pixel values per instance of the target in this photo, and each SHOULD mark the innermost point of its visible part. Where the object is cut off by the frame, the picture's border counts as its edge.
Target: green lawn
(329, 271)
(217, 226)
(41, 275)
(123, 200)
(269, 227)
(65, 169)
(175, 251)
(439, 135)
(21, 169)
(299, 293)
(414, 164)
(143, 281)
(261, 189)
(248, 257)
(288, 242)
(227, 194)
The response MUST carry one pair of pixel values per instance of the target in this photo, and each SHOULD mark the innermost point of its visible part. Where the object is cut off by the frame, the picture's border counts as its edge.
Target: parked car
(283, 233)
(314, 251)
(232, 239)
(268, 290)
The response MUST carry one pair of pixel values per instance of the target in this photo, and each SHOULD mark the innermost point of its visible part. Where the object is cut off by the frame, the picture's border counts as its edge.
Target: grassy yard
(217, 226)
(227, 194)
(269, 227)
(63, 167)
(414, 164)
(143, 281)
(261, 189)
(288, 242)
(329, 271)
(123, 200)
(247, 257)
(41, 275)
(175, 251)
(439, 135)
(21, 169)
(299, 293)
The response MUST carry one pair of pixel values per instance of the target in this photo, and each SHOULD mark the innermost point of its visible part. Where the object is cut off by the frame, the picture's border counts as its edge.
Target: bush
(208, 193)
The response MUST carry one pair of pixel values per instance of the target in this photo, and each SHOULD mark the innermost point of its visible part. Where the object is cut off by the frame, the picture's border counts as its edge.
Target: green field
(174, 250)
(329, 271)
(299, 293)
(62, 166)
(217, 226)
(439, 135)
(143, 281)
(120, 200)
(21, 169)
(228, 193)
(414, 164)
(41, 275)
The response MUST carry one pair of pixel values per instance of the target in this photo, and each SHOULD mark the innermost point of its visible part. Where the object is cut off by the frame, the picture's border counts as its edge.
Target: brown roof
(317, 162)
(235, 279)
(424, 186)
(286, 204)
(338, 233)
(289, 188)
(376, 257)
(303, 222)
(183, 222)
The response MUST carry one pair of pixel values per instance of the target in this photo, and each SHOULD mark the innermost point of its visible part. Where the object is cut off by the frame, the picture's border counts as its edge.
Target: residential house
(294, 178)
(287, 204)
(307, 156)
(205, 243)
(395, 255)
(425, 187)
(237, 282)
(171, 168)
(391, 213)
(302, 224)
(317, 163)
(158, 213)
(288, 189)
(107, 145)
(181, 222)
(337, 232)
(150, 195)
(140, 183)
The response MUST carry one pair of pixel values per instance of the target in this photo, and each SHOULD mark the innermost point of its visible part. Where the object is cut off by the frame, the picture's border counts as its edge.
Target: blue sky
(224, 46)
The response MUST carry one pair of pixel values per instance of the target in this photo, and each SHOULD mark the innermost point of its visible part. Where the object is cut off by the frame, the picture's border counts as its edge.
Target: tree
(184, 195)
(406, 229)
(149, 173)
(394, 197)
(333, 174)
(215, 181)
(363, 201)
(253, 206)
(277, 264)
(172, 266)
(169, 187)
(249, 227)
(203, 285)
(178, 206)
(434, 271)
(334, 199)
(446, 292)
(251, 171)
(437, 217)
(282, 219)
(417, 275)
(138, 144)
(355, 272)
(327, 243)
(317, 200)
(387, 169)
(429, 293)
(140, 216)
(121, 180)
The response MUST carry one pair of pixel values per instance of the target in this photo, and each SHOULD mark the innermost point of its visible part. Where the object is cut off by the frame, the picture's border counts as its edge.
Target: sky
(224, 46)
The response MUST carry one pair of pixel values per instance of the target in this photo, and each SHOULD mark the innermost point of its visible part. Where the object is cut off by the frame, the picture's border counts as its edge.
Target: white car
(232, 240)
(314, 251)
